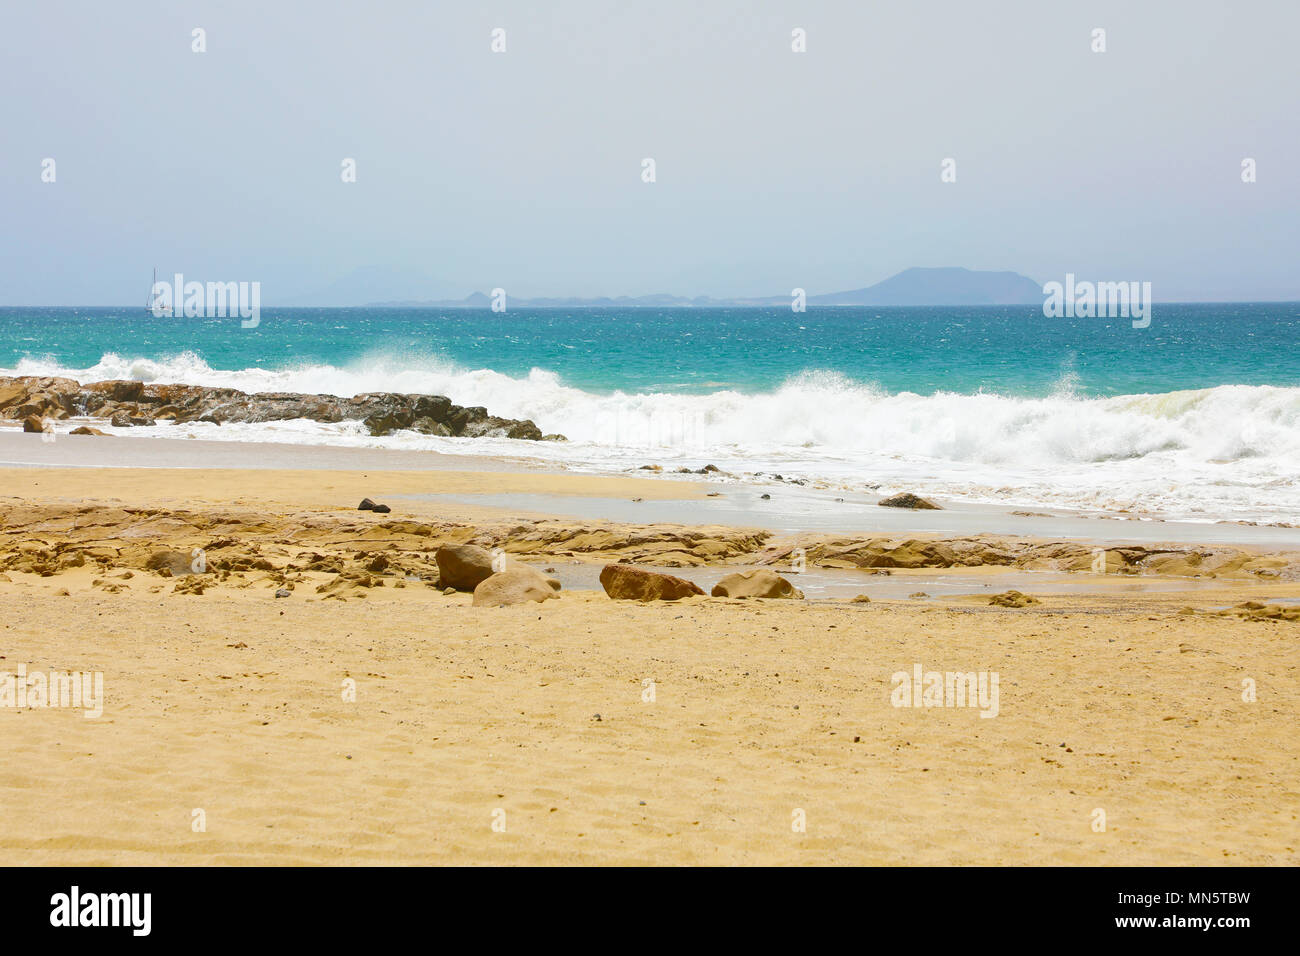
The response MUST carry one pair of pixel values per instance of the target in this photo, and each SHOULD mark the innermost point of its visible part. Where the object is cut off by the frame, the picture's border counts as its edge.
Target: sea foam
(1229, 452)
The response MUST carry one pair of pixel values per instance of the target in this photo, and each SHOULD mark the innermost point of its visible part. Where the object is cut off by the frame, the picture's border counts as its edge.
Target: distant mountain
(950, 286)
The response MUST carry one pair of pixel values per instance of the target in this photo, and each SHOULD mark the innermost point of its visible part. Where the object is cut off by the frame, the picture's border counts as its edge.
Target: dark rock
(366, 505)
(128, 403)
(908, 500)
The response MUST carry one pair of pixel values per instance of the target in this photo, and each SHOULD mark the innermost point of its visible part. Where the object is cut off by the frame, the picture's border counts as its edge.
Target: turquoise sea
(1194, 417)
(1008, 350)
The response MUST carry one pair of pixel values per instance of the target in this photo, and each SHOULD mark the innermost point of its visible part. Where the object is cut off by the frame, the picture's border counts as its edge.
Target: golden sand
(527, 734)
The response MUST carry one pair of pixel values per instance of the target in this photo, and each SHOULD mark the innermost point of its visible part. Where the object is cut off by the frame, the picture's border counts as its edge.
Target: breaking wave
(1228, 452)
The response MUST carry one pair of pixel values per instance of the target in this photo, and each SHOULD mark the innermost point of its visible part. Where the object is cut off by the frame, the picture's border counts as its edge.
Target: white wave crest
(1231, 451)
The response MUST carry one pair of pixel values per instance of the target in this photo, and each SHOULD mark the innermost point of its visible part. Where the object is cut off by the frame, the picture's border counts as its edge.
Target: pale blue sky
(522, 170)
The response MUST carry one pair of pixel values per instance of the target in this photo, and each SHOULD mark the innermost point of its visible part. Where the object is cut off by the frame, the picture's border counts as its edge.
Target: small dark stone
(366, 505)
(381, 509)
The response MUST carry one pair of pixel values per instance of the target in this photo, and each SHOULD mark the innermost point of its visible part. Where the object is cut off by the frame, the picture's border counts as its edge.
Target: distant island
(915, 287)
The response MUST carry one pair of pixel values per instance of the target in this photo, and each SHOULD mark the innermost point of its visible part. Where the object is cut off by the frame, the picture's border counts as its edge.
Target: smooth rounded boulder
(623, 582)
(517, 585)
(758, 583)
(463, 566)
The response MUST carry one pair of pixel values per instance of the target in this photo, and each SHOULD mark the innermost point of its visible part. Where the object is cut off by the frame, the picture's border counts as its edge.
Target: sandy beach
(588, 730)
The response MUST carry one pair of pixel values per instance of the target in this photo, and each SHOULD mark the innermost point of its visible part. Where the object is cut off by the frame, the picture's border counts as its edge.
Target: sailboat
(150, 305)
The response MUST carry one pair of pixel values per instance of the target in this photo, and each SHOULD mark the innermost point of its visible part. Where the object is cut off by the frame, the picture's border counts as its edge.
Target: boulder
(623, 582)
(87, 430)
(427, 426)
(366, 505)
(1013, 599)
(908, 500)
(463, 566)
(33, 424)
(516, 585)
(759, 583)
(12, 394)
(118, 390)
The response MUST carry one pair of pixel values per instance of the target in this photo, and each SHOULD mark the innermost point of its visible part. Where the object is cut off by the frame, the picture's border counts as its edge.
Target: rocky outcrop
(126, 403)
(759, 583)
(517, 585)
(625, 583)
(175, 563)
(242, 547)
(1255, 611)
(877, 553)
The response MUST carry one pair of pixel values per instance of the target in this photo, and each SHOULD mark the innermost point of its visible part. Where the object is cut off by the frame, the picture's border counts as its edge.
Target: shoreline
(665, 497)
(116, 516)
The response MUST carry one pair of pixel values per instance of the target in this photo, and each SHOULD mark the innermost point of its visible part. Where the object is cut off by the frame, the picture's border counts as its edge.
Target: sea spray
(1228, 452)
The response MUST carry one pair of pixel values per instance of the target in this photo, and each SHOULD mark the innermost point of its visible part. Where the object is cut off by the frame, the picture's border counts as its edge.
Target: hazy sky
(522, 170)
